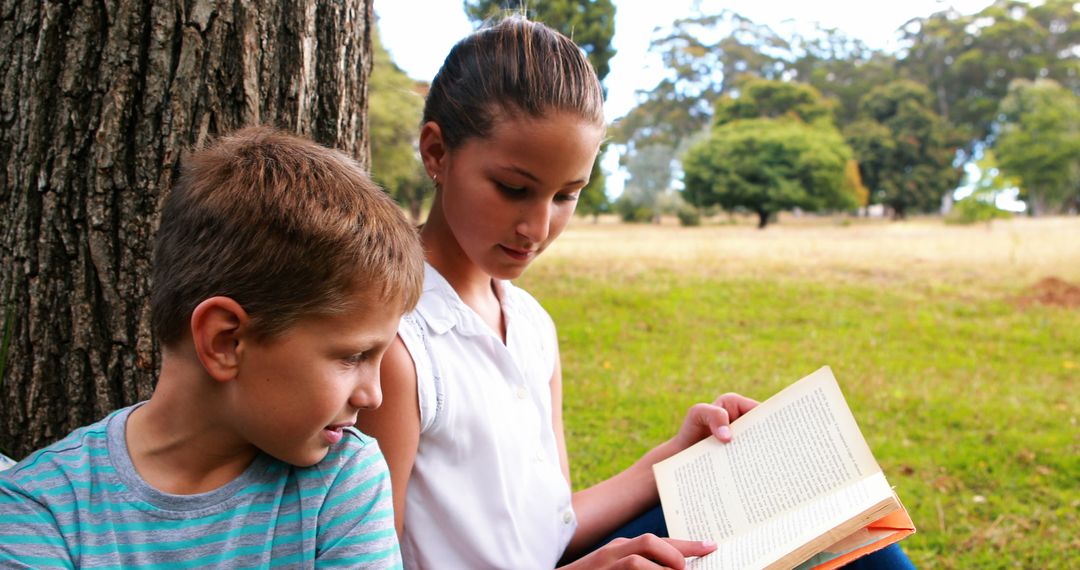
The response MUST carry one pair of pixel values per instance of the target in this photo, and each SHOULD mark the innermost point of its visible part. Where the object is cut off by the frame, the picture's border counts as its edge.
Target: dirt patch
(1051, 291)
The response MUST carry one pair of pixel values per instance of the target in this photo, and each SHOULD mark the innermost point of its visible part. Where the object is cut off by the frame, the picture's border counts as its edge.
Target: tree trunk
(1036, 204)
(415, 212)
(98, 101)
(763, 219)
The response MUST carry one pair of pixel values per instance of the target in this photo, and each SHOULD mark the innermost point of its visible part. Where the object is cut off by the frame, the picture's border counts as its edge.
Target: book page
(764, 543)
(799, 445)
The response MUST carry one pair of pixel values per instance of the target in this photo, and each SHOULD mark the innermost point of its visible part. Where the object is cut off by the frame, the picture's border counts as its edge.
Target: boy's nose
(368, 394)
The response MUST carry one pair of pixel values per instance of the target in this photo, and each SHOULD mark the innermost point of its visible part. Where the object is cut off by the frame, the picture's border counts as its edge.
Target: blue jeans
(891, 557)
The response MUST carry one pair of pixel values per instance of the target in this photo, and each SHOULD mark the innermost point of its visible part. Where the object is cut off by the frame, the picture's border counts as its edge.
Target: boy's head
(286, 228)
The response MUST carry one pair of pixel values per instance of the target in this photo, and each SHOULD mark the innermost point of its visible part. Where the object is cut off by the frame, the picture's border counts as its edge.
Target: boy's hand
(712, 419)
(645, 551)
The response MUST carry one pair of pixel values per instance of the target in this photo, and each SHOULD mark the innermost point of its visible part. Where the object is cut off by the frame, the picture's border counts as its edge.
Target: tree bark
(98, 101)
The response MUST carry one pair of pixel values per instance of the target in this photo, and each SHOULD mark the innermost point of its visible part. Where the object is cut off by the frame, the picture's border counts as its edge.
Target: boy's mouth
(334, 433)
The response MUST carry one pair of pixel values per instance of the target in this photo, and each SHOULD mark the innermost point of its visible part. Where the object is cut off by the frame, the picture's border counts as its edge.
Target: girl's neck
(443, 252)
(473, 285)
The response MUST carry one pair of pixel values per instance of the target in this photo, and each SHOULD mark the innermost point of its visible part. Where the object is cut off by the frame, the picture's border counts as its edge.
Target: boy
(280, 275)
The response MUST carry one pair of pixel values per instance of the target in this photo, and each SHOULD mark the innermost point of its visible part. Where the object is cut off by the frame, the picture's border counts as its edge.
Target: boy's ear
(216, 327)
(432, 148)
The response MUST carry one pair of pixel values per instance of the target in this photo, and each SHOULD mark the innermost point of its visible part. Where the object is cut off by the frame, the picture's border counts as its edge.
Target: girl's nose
(535, 222)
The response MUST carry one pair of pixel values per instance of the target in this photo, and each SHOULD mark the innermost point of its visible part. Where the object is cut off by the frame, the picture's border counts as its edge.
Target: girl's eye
(571, 197)
(510, 190)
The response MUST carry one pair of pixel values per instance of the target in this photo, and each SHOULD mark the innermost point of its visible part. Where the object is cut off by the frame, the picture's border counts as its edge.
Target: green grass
(969, 402)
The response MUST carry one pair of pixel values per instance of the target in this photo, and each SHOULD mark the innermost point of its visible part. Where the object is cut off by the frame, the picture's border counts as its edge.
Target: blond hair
(285, 227)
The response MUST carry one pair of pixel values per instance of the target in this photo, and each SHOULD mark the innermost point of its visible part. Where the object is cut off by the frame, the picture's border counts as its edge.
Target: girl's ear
(432, 148)
(216, 327)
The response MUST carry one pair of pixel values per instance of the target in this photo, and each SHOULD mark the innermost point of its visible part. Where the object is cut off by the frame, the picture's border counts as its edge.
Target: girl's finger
(665, 552)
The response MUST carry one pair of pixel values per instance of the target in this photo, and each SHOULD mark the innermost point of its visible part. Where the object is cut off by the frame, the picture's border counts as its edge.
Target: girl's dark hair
(513, 67)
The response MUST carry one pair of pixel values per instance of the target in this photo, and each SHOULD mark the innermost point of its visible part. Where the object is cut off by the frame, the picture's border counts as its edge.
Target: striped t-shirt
(79, 503)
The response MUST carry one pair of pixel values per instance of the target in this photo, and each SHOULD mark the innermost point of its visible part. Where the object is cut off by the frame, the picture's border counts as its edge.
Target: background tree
(710, 55)
(593, 199)
(968, 61)
(1039, 144)
(716, 57)
(768, 166)
(395, 111)
(981, 204)
(903, 150)
(773, 147)
(703, 67)
(965, 60)
(645, 197)
(853, 183)
(100, 99)
(591, 24)
(766, 99)
(841, 68)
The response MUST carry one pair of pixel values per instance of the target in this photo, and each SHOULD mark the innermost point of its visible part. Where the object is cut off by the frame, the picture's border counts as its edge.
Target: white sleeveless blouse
(487, 490)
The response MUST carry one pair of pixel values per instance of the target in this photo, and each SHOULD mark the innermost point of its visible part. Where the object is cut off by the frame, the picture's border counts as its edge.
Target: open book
(797, 487)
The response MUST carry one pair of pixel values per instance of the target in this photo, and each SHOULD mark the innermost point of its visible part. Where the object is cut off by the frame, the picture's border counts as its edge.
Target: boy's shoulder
(75, 492)
(354, 443)
(80, 452)
(355, 451)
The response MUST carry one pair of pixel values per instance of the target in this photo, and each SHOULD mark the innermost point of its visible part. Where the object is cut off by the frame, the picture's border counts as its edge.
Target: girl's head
(512, 126)
(516, 68)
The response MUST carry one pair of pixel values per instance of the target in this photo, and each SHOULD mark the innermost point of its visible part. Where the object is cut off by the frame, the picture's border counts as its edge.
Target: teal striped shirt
(79, 503)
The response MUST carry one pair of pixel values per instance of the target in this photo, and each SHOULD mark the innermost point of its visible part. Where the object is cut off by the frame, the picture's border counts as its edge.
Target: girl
(471, 422)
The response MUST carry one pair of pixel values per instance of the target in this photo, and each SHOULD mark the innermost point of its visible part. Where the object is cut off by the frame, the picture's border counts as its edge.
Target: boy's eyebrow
(532, 177)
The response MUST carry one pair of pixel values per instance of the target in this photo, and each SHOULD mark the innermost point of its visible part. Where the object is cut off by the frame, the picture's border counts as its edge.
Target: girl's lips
(518, 254)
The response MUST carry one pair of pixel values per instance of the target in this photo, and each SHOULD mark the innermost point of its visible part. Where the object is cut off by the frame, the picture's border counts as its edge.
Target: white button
(539, 456)
(522, 392)
(567, 517)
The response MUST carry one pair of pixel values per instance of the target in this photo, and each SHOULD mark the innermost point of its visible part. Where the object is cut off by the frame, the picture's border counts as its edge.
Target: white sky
(419, 33)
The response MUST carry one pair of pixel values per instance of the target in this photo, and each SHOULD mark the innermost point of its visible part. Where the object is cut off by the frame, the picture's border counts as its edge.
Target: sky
(419, 33)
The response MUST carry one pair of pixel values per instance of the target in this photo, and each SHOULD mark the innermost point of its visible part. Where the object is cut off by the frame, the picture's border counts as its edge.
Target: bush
(638, 215)
(689, 217)
(631, 211)
(972, 210)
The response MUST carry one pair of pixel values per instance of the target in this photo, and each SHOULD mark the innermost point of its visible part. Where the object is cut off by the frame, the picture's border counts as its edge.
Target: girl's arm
(396, 423)
(604, 507)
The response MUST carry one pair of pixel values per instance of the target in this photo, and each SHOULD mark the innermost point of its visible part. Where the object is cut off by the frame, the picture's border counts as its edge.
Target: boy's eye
(356, 358)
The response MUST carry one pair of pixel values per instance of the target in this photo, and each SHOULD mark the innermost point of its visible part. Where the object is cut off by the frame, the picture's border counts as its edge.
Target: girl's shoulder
(414, 334)
(517, 299)
(521, 306)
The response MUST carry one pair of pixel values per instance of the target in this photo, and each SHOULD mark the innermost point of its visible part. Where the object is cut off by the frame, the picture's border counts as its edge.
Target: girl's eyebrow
(533, 177)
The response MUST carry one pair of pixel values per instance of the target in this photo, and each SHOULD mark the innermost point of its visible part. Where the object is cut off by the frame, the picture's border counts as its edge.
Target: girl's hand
(712, 419)
(645, 551)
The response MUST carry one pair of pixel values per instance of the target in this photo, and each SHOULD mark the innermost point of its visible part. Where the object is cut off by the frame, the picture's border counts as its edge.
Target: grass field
(967, 395)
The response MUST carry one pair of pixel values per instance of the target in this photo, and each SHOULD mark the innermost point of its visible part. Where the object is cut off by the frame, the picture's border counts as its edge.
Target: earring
(435, 179)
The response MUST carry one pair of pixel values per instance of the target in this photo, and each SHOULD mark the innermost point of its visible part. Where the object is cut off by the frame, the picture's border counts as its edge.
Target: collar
(442, 308)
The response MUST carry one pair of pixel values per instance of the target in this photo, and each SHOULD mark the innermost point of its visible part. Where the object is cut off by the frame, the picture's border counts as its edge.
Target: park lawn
(967, 396)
